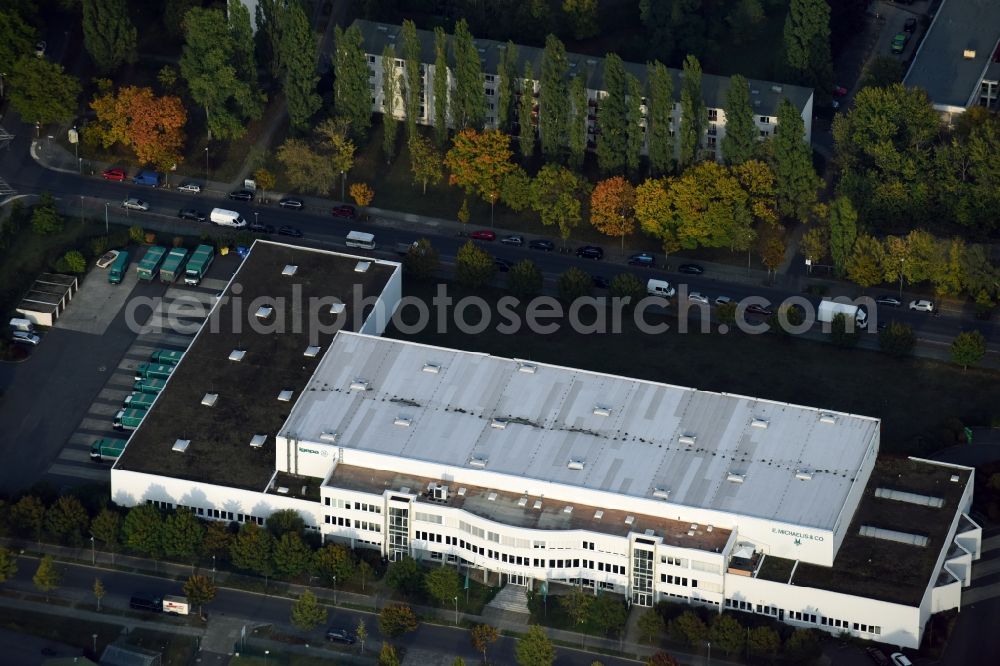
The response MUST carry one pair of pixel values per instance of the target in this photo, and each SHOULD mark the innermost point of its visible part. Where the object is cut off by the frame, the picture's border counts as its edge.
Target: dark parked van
(146, 602)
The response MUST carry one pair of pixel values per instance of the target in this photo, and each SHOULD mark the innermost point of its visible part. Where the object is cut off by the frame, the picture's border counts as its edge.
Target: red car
(114, 174)
(344, 211)
(839, 91)
(483, 235)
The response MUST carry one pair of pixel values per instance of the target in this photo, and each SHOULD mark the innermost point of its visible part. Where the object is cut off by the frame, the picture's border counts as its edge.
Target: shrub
(150, 238)
(178, 241)
(136, 234)
(73, 262)
(99, 245)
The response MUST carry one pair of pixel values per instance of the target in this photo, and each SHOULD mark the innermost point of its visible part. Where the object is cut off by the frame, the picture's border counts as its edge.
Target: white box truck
(227, 218)
(176, 605)
(829, 309)
(361, 239)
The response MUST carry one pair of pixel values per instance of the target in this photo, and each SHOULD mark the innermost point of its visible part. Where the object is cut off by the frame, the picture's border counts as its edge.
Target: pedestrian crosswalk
(171, 325)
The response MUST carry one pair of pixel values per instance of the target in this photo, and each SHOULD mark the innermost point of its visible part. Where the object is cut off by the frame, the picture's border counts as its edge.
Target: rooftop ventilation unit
(312, 351)
(969, 54)
(462, 491)
(629, 520)
(776, 89)
(441, 493)
(362, 266)
(523, 502)
(687, 439)
(575, 464)
(338, 308)
(237, 355)
(264, 311)
(693, 526)
(909, 498)
(476, 461)
(257, 441)
(760, 423)
(528, 368)
(537, 505)
(955, 478)
(402, 421)
(827, 418)
(289, 270)
(431, 368)
(181, 445)
(803, 475)
(733, 477)
(661, 493)
(329, 435)
(598, 514)
(210, 399)
(892, 535)
(649, 533)
(568, 509)
(492, 497)
(281, 490)
(285, 396)
(601, 410)
(499, 424)
(360, 385)
(690, 533)
(708, 528)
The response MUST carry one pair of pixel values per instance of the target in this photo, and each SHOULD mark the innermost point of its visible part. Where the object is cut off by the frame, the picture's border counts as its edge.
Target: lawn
(913, 397)
(69, 630)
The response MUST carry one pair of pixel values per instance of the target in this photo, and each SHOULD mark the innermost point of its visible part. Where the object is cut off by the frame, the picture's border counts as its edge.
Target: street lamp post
(334, 590)
(213, 568)
(255, 214)
(93, 551)
(266, 654)
(456, 611)
(709, 653)
(106, 204)
(94, 637)
(901, 261)
(206, 163)
(343, 180)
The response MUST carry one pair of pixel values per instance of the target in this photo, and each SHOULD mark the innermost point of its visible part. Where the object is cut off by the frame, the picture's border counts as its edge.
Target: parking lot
(62, 398)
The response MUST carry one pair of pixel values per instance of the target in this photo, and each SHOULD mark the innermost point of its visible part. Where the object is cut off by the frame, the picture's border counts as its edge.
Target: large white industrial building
(531, 472)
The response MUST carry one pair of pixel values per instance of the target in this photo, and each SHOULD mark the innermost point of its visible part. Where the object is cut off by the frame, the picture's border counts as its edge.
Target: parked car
(900, 659)
(690, 269)
(722, 300)
(899, 41)
(544, 245)
(291, 203)
(642, 259)
(114, 174)
(759, 309)
(261, 228)
(891, 301)
(134, 203)
(241, 195)
(590, 252)
(107, 258)
(288, 230)
(40, 49)
(695, 297)
(877, 656)
(910, 26)
(193, 188)
(340, 636)
(839, 91)
(344, 211)
(191, 214)
(600, 281)
(516, 241)
(25, 338)
(483, 234)
(502, 264)
(922, 305)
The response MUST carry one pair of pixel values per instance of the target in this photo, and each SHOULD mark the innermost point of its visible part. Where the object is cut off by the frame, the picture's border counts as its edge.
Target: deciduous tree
(741, 133)
(634, 131)
(307, 612)
(612, 117)
(390, 90)
(524, 279)
(47, 576)
(727, 634)
(298, 53)
(362, 194)
(612, 207)
(251, 549)
(66, 519)
(421, 263)
(626, 285)
(108, 34)
(152, 127)
(306, 169)
(535, 648)
(576, 130)
(607, 614)
(483, 636)
(506, 87)
(688, 628)
(807, 44)
(968, 349)
(425, 162)
(16, 38)
(411, 69)
(694, 116)
(469, 108)
(8, 564)
(199, 590)
(479, 161)
(573, 284)
(771, 246)
(764, 642)
(106, 527)
(843, 232)
(351, 97)
(661, 658)
(651, 625)
(795, 178)
(292, 556)
(443, 584)
(404, 575)
(442, 87)
(142, 530)
(815, 243)
(896, 339)
(99, 592)
(552, 96)
(182, 535)
(333, 561)
(844, 332)
(865, 262)
(525, 114)
(802, 645)
(40, 91)
(388, 656)
(660, 118)
(396, 619)
(556, 194)
(474, 267)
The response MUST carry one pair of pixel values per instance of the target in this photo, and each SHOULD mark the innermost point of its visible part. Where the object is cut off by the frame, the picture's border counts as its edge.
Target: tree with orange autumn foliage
(362, 194)
(478, 162)
(612, 207)
(152, 126)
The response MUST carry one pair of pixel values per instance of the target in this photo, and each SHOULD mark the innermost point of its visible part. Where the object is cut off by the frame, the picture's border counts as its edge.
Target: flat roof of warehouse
(718, 451)
(274, 360)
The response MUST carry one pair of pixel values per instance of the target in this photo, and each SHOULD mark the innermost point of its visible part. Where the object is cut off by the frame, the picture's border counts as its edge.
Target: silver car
(25, 338)
(190, 187)
(134, 203)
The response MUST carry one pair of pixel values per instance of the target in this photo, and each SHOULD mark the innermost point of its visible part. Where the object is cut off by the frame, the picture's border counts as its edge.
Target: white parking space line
(95, 473)
(75, 455)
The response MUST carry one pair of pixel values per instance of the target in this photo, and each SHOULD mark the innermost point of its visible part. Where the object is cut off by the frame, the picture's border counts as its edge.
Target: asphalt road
(258, 609)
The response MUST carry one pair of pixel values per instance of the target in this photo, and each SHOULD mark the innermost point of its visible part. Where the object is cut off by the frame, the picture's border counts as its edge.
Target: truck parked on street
(118, 268)
(829, 309)
(106, 448)
(153, 371)
(176, 605)
(149, 178)
(166, 357)
(146, 601)
(172, 265)
(148, 385)
(128, 419)
(136, 400)
(197, 266)
(150, 264)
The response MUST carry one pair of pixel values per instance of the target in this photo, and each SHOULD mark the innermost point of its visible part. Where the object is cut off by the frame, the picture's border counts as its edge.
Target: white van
(660, 288)
(19, 324)
(227, 218)
(361, 239)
